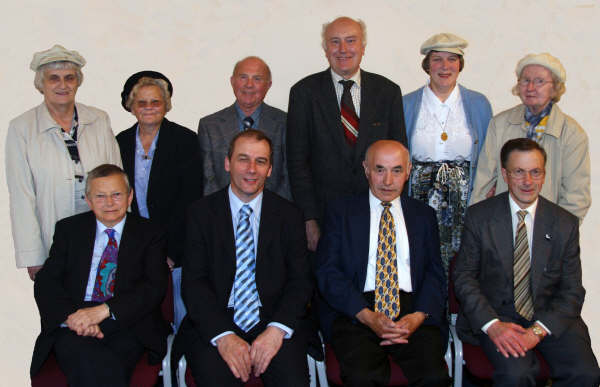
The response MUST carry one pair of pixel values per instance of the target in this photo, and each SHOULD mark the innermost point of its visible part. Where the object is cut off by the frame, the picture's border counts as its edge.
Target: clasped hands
(393, 332)
(85, 321)
(242, 357)
(512, 339)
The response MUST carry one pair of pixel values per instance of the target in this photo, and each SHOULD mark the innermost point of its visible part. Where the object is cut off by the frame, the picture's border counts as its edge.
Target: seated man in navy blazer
(246, 281)
(518, 279)
(379, 270)
(100, 290)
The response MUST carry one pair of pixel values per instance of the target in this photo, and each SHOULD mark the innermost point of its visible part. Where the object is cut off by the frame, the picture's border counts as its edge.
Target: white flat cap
(55, 54)
(445, 42)
(546, 60)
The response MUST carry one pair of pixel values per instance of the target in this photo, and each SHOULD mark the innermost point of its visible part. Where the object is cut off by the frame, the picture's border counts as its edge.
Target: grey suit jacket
(483, 277)
(215, 132)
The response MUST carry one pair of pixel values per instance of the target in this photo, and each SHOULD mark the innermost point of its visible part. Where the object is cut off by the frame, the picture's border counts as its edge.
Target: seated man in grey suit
(518, 279)
(251, 80)
(100, 290)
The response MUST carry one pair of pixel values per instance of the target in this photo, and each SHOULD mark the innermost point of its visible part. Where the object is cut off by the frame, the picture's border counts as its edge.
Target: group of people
(356, 189)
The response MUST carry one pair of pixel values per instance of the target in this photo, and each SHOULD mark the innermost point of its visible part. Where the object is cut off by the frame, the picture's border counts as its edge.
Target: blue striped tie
(245, 309)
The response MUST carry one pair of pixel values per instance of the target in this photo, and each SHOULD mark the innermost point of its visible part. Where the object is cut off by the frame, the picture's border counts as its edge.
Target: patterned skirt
(444, 185)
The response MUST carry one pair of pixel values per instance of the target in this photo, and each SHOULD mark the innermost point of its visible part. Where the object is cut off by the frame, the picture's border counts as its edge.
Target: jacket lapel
(127, 248)
(160, 159)
(332, 116)
(266, 228)
(85, 251)
(502, 235)
(541, 244)
(367, 114)
(222, 218)
(410, 221)
(128, 158)
(359, 222)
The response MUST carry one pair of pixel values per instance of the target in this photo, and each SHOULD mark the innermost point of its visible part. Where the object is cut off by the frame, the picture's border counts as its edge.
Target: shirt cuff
(288, 332)
(213, 341)
(488, 325)
(543, 326)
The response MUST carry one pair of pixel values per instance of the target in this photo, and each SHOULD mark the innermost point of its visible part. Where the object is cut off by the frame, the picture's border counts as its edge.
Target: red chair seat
(253, 382)
(397, 377)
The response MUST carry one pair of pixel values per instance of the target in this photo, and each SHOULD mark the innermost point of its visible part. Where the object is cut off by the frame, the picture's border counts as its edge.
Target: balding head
(387, 166)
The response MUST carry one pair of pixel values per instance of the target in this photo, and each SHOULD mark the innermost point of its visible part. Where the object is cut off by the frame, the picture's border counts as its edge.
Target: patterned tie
(104, 288)
(521, 270)
(247, 122)
(245, 310)
(349, 118)
(387, 297)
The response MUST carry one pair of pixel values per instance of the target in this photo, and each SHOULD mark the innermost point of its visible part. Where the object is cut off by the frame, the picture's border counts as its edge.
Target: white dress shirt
(402, 248)
(354, 90)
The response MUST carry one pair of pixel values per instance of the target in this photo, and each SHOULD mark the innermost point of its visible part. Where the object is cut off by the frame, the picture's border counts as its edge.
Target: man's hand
(508, 338)
(33, 270)
(313, 233)
(93, 331)
(383, 327)
(265, 347)
(236, 353)
(84, 318)
(409, 322)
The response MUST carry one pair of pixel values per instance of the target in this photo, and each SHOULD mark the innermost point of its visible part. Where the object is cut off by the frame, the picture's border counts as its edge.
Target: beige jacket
(567, 180)
(40, 174)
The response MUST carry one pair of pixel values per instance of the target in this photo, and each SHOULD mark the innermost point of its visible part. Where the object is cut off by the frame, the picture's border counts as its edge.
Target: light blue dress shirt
(255, 116)
(143, 164)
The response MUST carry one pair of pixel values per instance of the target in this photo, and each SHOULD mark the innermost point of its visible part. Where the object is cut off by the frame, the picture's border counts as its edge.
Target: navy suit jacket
(343, 252)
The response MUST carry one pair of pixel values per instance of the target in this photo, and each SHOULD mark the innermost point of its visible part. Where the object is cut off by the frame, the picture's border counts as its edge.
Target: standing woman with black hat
(49, 151)
(161, 160)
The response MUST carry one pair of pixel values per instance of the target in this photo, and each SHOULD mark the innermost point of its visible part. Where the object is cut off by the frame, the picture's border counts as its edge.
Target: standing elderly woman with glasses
(540, 84)
(446, 124)
(49, 150)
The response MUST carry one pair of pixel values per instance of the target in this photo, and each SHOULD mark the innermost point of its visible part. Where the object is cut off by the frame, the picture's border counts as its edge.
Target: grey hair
(363, 30)
(105, 170)
(38, 81)
(147, 81)
(558, 85)
(239, 62)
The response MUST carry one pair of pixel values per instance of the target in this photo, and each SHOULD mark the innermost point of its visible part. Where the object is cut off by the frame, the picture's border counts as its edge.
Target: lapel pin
(548, 237)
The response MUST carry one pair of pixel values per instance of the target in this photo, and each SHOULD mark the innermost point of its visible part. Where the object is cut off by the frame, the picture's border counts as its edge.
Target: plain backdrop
(196, 43)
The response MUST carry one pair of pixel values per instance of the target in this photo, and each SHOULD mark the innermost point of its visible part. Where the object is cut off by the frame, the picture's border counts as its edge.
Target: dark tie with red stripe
(349, 118)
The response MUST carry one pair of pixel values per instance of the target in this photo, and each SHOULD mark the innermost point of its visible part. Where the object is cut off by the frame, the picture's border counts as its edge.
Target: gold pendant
(444, 136)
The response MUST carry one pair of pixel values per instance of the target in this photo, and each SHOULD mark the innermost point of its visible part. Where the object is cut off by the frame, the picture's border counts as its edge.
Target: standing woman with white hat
(446, 124)
(540, 84)
(49, 150)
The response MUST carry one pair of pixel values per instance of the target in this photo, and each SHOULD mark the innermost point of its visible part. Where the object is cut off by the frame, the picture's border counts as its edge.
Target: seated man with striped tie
(246, 281)
(379, 269)
(100, 290)
(518, 279)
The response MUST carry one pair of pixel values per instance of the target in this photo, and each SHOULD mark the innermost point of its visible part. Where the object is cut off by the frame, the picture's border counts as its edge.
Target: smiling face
(250, 82)
(149, 106)
(444, 68)
(536, 98)
(59, 86)
(109, 198)
(387, 167)
(524, 190)
(344, 46)
(249, 167)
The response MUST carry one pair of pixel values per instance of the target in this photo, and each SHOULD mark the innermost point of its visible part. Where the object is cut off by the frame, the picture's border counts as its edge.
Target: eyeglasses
(155, 103)
(115, 196)
(537, 82)
(520, 174)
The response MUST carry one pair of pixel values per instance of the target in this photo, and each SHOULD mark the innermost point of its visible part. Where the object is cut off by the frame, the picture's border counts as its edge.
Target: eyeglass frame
(524, 172)
(536, 82)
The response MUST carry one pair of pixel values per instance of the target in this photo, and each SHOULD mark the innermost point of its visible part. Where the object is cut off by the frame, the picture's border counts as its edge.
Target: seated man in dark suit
(518, 279)
(100, 290)
(246, 281)
(379, 270)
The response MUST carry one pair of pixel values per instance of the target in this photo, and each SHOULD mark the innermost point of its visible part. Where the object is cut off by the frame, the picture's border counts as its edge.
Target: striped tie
(521, 270)
(349, 117)
(245, 310)
(387, 295)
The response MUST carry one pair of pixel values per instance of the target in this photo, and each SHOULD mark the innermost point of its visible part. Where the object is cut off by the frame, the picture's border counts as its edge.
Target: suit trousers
(363, 362)
(288, 368)
(91, 362)
(570, 357)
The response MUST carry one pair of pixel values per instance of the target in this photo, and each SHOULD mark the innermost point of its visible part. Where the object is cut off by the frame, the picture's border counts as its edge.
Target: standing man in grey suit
(333, 117)
(518, 279)
(251, 80)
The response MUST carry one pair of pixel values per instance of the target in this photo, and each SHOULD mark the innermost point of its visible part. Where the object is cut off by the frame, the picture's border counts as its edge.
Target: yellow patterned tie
(387, 298)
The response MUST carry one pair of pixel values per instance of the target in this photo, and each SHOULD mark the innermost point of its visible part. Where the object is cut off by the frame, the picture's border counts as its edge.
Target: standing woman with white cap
(540, 84)
(446, 124)
(49, 151)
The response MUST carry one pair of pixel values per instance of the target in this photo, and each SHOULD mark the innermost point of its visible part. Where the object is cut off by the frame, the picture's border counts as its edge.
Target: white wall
(196, 43)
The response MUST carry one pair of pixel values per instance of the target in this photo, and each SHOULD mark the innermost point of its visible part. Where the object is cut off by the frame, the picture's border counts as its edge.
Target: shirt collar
(337, 78)
(236, 204)
(255, 114)
(138, 142)
(100, 227)
(514, 207)
(375, 202)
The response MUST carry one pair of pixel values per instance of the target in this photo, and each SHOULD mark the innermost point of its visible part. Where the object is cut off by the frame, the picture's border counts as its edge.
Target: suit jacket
(282, 269)
(175, 179)
(141, 282)
(342, 258)
(322, 167)
(216, 131)
(483, 278)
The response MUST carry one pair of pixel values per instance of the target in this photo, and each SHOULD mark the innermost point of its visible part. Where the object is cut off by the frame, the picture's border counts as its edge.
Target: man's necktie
(387, 292)
(521, 271)
(247, 122)
(349, 117)
(104, 288)
(245, 310)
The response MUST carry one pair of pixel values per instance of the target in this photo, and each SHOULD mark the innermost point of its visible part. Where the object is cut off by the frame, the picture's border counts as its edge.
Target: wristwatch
(538, 331)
